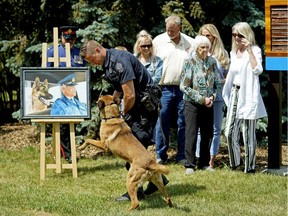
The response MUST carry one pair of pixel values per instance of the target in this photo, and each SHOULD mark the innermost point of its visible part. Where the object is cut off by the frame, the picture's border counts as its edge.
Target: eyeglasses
(238, 35)
(146, 46)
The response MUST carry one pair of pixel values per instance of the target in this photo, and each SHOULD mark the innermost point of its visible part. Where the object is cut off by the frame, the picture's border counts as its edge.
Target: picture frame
(55, 93)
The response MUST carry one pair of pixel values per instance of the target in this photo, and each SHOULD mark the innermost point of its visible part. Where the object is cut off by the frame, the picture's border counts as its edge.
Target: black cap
(68, 32)
(68, 80)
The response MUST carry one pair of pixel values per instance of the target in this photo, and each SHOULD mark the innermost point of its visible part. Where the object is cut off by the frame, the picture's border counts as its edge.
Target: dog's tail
(155, 167)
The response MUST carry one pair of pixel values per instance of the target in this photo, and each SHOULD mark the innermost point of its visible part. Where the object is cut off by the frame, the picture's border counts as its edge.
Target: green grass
(100, 181)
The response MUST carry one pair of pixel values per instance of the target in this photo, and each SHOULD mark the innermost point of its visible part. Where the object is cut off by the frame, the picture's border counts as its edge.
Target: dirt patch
(18, 135)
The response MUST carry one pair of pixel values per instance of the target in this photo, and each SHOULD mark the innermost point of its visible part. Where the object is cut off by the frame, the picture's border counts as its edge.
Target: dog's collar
(104, 118)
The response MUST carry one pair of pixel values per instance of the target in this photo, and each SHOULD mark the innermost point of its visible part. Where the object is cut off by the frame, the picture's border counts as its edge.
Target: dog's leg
(158, 181)
(133, 182)
(83, 146)
(96, 143)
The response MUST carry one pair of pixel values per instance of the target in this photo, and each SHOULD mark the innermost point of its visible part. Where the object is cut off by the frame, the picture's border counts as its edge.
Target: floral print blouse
(199, 79)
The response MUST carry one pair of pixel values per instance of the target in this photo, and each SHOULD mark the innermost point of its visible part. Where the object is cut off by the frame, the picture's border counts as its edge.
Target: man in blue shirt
(68, 35)
(68, 104)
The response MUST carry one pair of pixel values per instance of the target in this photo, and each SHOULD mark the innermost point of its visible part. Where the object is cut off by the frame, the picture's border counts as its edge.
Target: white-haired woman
(200, 83)
(241, 93)
(218, 51)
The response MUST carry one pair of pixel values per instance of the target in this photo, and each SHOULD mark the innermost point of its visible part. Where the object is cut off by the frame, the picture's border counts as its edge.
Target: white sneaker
(189, 171)
(210, 169)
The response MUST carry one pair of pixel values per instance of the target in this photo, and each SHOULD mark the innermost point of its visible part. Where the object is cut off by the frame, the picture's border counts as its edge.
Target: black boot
(126, 197)
(152, 188)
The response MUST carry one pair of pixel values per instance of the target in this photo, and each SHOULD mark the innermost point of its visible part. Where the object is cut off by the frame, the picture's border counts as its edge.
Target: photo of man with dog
(133, 84)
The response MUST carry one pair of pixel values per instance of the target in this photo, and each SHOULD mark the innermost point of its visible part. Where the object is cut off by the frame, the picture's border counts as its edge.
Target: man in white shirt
(172, 47)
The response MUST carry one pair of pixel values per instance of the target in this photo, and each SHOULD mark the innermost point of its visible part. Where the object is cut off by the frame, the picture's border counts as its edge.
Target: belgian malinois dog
(116, 136)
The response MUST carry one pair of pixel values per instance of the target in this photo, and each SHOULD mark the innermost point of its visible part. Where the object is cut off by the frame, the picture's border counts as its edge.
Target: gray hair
(174, 19)
(201, 40)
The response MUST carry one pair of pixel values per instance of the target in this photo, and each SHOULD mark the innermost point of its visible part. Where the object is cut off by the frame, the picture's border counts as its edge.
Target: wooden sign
(276, 34)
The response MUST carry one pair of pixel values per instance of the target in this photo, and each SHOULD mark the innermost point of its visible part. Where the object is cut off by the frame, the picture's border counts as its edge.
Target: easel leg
(42, 152)
(73, 150)
(57, 146)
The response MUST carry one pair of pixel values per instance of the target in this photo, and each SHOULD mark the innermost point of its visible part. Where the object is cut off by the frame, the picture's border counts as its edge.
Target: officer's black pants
(65, 140)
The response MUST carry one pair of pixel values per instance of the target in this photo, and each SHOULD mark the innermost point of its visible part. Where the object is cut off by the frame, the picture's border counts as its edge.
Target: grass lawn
(100, 181)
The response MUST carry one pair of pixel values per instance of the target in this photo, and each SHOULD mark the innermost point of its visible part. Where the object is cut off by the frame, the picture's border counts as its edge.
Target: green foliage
(262, 124)
(193, 11)
(112, 23)
(12, 54)
(196, 11)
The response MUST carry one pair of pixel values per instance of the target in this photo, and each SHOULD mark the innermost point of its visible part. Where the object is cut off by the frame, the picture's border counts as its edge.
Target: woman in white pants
(241, 94)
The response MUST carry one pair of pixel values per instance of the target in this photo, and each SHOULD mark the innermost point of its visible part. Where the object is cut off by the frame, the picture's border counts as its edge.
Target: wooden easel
(56, 122)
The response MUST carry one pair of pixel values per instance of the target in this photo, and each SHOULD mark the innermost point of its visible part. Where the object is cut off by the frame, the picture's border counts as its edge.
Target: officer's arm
(128, 95)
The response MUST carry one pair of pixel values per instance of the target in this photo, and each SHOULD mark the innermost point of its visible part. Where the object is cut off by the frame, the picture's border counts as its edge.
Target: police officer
(68, 104)
(68, 35)
(130, 79)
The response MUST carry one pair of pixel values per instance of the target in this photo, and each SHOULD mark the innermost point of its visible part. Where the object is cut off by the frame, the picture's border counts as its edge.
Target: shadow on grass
(99, 166)
(175, 191)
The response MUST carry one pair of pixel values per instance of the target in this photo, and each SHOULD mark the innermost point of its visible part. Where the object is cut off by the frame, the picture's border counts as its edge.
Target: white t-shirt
(173, 56)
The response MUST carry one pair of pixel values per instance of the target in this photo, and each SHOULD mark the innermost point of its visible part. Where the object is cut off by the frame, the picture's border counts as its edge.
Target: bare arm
(248, 47)
(128, 96)
(253, 61)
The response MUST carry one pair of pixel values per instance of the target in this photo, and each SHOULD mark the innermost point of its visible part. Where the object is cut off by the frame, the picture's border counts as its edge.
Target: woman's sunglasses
(238, 35)
(146, 46)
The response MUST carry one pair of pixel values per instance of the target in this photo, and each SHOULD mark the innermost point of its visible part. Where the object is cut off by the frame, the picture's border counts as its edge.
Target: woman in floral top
(218, 51)
(200, 83)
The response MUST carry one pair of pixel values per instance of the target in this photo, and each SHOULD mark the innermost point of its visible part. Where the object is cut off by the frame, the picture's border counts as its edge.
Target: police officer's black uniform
(120, 67)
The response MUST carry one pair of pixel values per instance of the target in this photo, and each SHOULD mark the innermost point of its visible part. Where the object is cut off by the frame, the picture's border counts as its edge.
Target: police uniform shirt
(121, 67)
(62, 53)
(65, 107)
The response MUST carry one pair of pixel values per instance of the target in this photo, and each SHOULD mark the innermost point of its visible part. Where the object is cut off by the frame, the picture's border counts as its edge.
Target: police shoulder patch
(119, 67)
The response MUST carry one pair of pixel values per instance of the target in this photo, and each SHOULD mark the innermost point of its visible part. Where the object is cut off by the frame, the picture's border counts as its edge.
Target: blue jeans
(217, 128)
(171, 97)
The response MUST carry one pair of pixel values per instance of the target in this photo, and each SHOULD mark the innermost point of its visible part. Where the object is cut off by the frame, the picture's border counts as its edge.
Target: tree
(111, 23)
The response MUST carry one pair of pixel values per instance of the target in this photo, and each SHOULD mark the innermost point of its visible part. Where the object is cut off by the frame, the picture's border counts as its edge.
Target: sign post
(276, 40)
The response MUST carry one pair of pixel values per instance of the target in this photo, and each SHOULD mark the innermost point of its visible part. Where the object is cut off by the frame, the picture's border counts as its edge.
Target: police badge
(119, 67)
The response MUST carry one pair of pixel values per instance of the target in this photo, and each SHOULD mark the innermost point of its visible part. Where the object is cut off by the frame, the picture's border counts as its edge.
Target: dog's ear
(45, 82)
(117, 100)
(101, 104)
(36, 82)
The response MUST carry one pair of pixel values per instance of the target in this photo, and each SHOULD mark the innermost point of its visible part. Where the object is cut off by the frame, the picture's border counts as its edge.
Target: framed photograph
(55, 93)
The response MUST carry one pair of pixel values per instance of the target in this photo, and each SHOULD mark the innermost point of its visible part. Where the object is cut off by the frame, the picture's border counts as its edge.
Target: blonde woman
(241, 93)
(218, 51)
(143, 50)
